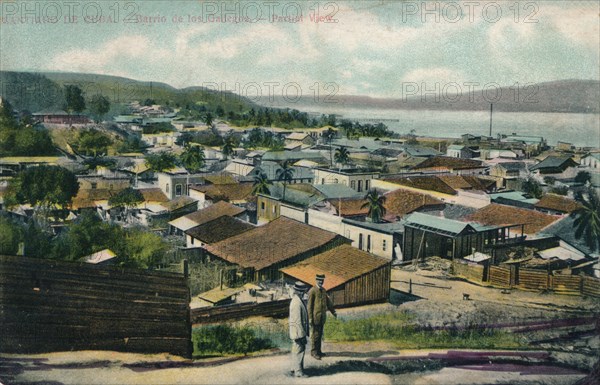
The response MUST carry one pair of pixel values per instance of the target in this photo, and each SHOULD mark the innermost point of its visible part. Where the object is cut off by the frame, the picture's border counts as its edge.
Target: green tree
(99, 106)
(209, 119)
(375, 203)
(87, 235)
(285, 174)
(261, 183)
(10, 236)
(228, 147)
(532, 187)
(142, 249)
(91, 142)
(161, 161)
(342, 156)
(43, 186)
(192, 158)
(74, 99)
(126, 199)
(583, 177)
(587, 218)
(560, 190)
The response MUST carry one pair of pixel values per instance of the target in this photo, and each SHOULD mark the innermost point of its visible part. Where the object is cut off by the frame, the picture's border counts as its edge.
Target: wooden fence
(530, 279)
(48, 305)
(470, 271)
(590, 286)
(567, 284)
(500, 276)
(533, 279)
(239, 311)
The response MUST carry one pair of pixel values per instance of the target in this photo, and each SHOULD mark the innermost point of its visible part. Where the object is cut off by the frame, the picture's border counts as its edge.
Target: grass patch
(219, 340)
(399, 329)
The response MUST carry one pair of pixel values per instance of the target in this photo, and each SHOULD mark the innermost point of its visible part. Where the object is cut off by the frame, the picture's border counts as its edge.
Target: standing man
(298, 328)
(318, 304)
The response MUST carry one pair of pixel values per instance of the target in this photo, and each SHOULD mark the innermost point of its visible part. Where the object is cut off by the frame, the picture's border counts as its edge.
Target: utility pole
(491, 110)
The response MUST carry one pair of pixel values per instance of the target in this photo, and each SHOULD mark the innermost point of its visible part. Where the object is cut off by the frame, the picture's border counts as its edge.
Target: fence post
(410, 286)
(186, 269)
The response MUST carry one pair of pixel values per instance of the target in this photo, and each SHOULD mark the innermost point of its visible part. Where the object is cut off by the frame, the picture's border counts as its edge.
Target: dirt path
(119, 368)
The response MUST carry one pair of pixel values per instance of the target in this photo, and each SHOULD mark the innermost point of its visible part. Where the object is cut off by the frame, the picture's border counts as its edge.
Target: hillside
(572, 96)
(37, 91)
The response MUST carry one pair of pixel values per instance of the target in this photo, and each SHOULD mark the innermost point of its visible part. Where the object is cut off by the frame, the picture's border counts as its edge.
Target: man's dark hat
(300, 286)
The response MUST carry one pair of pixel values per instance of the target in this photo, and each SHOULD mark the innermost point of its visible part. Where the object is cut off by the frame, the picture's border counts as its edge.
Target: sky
(372, 48)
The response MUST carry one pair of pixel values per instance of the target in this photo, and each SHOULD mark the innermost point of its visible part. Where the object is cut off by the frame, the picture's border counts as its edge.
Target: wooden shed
(353, 277)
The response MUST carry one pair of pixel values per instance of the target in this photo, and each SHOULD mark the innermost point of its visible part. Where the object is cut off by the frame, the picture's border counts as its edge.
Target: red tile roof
(228, 192)
(428, 183)
(449, 163)
(154, 195)
(349, 207)
(500, 215)
(267, 245)
(219, 229)
(557, 203)
(340, 265)
(400, 202)
(214, 211)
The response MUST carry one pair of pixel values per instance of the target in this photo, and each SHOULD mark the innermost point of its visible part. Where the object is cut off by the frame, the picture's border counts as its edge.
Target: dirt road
(83, 368)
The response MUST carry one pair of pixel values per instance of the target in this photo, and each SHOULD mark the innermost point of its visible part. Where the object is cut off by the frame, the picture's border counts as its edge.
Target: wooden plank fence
(470, 271)
(48, 305)
(590, 286)
(533, 279)
(238, 311)
(530, 279)
(500, 276)
(566, 284)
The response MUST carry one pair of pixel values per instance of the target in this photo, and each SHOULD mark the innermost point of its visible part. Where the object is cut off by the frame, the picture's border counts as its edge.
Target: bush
(225, 339)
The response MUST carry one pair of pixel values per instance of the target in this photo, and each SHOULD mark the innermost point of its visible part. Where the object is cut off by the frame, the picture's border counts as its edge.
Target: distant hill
(575, 96)
(30, 91)
(37, 91)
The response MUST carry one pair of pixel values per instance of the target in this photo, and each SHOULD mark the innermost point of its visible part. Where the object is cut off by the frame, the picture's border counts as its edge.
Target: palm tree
(342, 156)
(285, 174)
(261, 183)
(209, 119)
(192, 158)
(375, 204)
(228, 147)
(587, 218)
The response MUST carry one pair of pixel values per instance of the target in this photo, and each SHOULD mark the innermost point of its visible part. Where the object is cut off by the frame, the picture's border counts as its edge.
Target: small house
(353, 277)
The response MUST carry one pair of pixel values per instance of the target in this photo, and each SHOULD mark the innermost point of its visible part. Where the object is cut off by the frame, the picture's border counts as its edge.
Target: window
(384, 245)
(274, 209)
(360, 241)
(322, 180)
(167, 188)
(94, 185)
(262, 206)
(178, 190)
(353, 184)
(367, 184)
(368, 242)
(359, 186)
(192, 240)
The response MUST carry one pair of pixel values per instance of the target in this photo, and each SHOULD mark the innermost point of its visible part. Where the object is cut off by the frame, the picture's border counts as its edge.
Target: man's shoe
(322, 354)
(300, 375)
(316, 357)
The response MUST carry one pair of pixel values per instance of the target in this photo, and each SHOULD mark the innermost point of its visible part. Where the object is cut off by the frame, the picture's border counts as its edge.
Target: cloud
(107, 58)
(431, 76)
